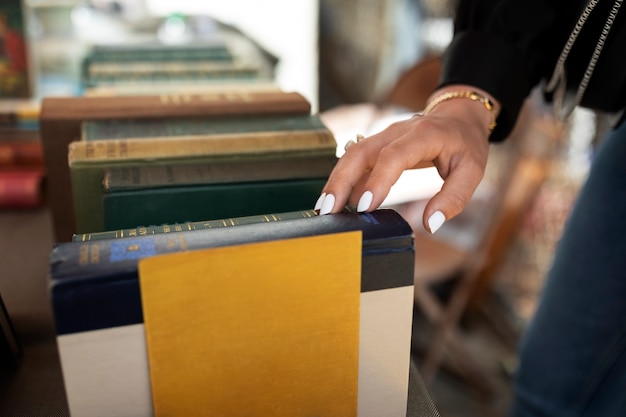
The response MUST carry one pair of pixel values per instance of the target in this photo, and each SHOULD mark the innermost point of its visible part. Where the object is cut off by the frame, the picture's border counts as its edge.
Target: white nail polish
(327, 204)
(319, 201)
(435, 221)
(365, 201)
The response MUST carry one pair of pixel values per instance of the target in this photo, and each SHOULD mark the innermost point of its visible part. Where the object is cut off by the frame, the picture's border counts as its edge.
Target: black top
(507, 47)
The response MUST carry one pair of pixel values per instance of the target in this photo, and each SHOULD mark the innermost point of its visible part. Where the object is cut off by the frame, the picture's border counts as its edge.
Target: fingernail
(327, 204)
(435, 221)
(318, 203)
(365, 201)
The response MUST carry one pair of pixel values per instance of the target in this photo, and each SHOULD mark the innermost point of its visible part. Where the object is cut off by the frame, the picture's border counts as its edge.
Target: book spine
(222, 145)
(128, 209)
(155, 176)
(119, 257)
(205, 104)
(21, 153)
(181, 127)
(189, 226)
(215, 52)
(21, 188)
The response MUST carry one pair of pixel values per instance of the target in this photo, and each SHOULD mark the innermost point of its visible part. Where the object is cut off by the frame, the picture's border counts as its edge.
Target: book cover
(21, 188)
(245, 308)
(96, 301)
(61, 119)
(72, 264)
(155, 206)
(197, 126)
(188, 226)
(211, 49)
(182, 88)
(21, 153)
(112, 73)
(170, 175)
(87, 159)
(230, 145)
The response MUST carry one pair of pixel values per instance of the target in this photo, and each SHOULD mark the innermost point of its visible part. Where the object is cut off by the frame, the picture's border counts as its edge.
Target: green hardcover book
(196, 126)
(150, 57)
(124, 178)
(216, 50)
(155, 206)
(88, 159)
(112, 73)
(189, 226)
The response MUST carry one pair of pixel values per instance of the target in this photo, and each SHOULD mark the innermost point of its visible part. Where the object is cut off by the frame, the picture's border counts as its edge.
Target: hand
(453, 136)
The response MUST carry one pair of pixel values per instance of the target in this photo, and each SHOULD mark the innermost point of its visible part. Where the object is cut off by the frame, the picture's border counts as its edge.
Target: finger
(456, 191)
(404, 153)
(345, 183)
(348, 172)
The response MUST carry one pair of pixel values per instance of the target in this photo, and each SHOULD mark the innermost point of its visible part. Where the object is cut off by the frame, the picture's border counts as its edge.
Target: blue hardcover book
(96, 301)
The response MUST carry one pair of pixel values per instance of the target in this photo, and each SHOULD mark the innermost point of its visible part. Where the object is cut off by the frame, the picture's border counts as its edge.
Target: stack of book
(21, 157)
(154, 65)
(142, 172)
(192, 273)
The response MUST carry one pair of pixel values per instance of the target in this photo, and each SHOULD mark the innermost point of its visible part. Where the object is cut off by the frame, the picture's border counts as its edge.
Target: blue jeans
(573, 354)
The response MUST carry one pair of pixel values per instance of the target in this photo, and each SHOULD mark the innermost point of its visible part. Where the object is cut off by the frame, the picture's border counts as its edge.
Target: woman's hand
(453, 136)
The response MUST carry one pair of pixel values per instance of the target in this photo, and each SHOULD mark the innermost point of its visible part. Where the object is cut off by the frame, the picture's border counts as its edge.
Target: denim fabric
(573, 354)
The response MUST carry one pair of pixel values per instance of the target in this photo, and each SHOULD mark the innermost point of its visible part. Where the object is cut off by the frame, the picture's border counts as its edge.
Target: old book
(213, 49)
(253, 310)
(88, 158)
(21, 188)
(259, 85)
(197, 127)
(155, 206)
(137, 177)
(135, 62)
(113, 73)
(21, 153)
(188, 226)
(62, 117)
(96, 301)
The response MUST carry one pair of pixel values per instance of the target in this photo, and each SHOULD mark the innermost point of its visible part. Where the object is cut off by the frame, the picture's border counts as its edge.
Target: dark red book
(21, 188)
(21, 154)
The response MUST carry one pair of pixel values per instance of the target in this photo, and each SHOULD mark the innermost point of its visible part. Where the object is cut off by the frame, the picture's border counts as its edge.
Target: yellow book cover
(260, 329)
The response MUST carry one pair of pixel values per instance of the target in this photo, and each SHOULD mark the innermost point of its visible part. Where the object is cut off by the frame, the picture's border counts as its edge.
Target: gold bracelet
(472, 95)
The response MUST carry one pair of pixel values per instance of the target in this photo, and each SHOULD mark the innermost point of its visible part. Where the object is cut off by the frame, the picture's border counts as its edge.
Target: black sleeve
(506, 47)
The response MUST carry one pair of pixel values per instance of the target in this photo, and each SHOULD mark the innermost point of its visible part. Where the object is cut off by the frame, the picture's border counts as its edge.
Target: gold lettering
(89, 150)
(182, 243)
(143, 231)
(95, 254)
(110, 149)
(123, 148)
(132, 232)
(166, 229)
(132, 248)
(83, 255)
